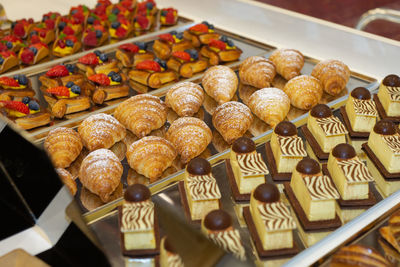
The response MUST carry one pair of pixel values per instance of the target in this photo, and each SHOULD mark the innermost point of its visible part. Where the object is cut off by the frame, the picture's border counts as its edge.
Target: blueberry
(9, 45)
(149, 5)
(193, 53)
(70, 67)
(205, 23)
(33, 105)
(33, 49)
(173, 33)
(22, 79)
(45, 18)
(115, 11)
(141, 45)
(69, 84)
(1, 60)
(161, 62)
(13, 24)
(103, 57)
(115, 24)
(98, 34)
(76, 89)
(16, 76)
(179, 35)
(74, 11)
(90, 20)
(164, 13)
(97, 52)
(69, 43)
(224, 38)
(61, 25)
(33, 33)
(111, 73)
(230, 43)
(116, 78)
(211, 27)
(26, 100)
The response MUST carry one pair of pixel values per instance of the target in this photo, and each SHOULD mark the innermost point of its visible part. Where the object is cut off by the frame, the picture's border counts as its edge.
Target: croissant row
(185, 98)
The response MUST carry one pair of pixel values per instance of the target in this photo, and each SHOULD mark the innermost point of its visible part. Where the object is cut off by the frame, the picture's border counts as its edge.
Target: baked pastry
(202, 191)
(120, 27)
(51, 19)
(96, 62)
(273, 221)
(185, 98)
(101, 173)
(60, 75)
(131, 54)
(70, 25)
(137, 219)
(8, 60)
(257, 71)
(304, 91)
(287, 147)
(141, 114)
(40, 33)
(358, 255)
(15, 88)
(333, 75)
(92, 201)
(75, 166)
(63, 145)
(220, 82)
(12, 43)
(389, 95)
(220, 50)
(95, 36)
(66, 45)
(108, 86)
(97, 16)
(168, 16)
(145, 16)
(315, 192)
(168, 255)
(187, 63)
(201, 34)
(33, 53)
(247, 165)
(125, 9)
(390, 232)
(288, 62)
(190, 136)
(101, 131)
(68, 180)
(245, 92)
(217, 226)
(361, 110)
(168, 43)
(22, 27)
(270, 104)
(150, 156)
(231, 120)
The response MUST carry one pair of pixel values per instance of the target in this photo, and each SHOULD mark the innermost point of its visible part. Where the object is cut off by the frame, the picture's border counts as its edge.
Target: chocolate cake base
(348, 125)
(276, 176)
(140, 253)
(305, 223)
(387, 175)
(257, 241)
(382, 112)
(234, 187)
(316, 148)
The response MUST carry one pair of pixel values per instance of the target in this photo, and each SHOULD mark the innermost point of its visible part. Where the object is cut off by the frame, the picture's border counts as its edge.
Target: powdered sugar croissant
(288, 62)
(68, 180)
(185, 98)
(257, 71)
(304, 91)
(220, 82)
(333, 75)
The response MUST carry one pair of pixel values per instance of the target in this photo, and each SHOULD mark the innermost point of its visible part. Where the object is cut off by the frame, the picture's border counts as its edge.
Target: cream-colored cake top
(355, 171)
(331, 126)
(174, 260)
(137, 216)
(291, 146)
(365, 107)
(252, 164)
(393, 142)
(394, 93)
(230, 241)
(276, 216)
(321, 187)
(203, 187)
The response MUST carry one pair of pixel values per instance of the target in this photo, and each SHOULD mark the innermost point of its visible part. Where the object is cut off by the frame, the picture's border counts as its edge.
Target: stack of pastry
(383, 156)
(96, 62)
(358, 255)
(388, 98)
(168, 255)
(201, 34)
(107, 86)
(168, 43)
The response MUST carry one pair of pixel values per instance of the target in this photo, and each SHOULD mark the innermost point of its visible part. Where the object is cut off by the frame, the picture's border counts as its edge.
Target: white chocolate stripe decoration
(174, 260)
(276, 216)
(292, 146)
(393, 141)
(203, 187)
(252, 164)
(355, 171)
(321, 187)
(137, 216)
(331, 126)
(230, 241)
(365, 108)
(394, 93)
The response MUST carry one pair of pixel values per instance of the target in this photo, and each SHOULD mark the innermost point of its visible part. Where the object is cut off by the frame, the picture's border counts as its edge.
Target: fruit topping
(141, 45)
(129, 47)
(116, 78)
(70, 67)
(21, 78)
(76, 89)
(148, 65)
(8, 82)
(27, 56)
(218, 44)
(121, 32)
(201, 28)
(162, 63)
(90, 38)
(58, 71)
(193, 53)
(182, 55)
(142, 20)
(167, 37)
(59, 91)
(100, 79)
(33, 105)
(16, 106)
(89, 59)
(26, 100)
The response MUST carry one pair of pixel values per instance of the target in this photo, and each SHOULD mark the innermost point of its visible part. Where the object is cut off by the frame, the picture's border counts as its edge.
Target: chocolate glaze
(266, 193)
(308, 166)
(361, 93)
(285, 128)
(385, 127)
(321, 111)
(137, 193)
(198, 166)
(344, 151)
(217, 220)
(244, 145)
(392, 80)
(168, 247)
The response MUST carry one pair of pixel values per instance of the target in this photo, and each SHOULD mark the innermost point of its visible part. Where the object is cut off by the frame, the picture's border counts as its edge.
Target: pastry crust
(34, 120)
(217, 57)
(163, 49)
(288, 62)
(257, 71)
(358, 255)
(152, 79)
(185, 98)
(220, 82)
(129, 59)
(42, 52)
(9, 62)
(102, 93)
(106, 67)
(333, 75)
(198, 39)
(60, 107)
(304, 91)
(187, 69)
(68, 180)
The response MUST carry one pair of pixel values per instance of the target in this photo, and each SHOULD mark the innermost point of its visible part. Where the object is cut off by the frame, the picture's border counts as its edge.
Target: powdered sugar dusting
(185, 98)
(257, 71)
(220, 82)
(304, 91)
(288, 62)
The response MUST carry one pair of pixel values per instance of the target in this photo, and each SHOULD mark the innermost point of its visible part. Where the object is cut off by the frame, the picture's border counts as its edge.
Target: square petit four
(168, 255)
(389, 95)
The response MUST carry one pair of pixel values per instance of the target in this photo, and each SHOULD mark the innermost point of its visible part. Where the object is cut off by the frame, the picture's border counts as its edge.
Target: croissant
(257, 71)
(101, 173)
(68, 180)
(245, 91)
(190, 137)
(150, 156)
(92, 201)
(101, 131)
(333, 75)
(270, 104)
(220, 82)
(75, 166)
(142, 113)
(185, 98)
(288, 62)
(232, 120)
(63, 145)
(304, 91)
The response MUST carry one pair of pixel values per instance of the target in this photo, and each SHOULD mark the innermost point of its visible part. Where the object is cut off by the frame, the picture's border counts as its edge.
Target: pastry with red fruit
(130, 54)
(168, 43)
(70, 25)
(152, 73)
(8, 60)
(168, 16)
(12, 42)
(201, 34)
(145, 17)
(187, 63)
(120, 27)
(118, 10)
(60, 75)
(66, 45)
(221, 50)
(108, 86)
(96, 18)
(79, 9)
(147, 7)
(21, 28)
(96, 62)
(51, 19)
(42, 33)
(95, 36)
(33, 53)
(15, 88)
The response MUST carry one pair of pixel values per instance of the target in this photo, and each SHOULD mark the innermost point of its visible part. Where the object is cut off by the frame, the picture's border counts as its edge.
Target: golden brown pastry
(245, 91)
(92, 201)
(150, 156)
(101, 131)
(232, 120)
(67, 179)
(358, 255)
(142, 113)
(190, 137)
(257, 71)
(391, 232)
(63, 145)
(119, 149)
(333, 75)
(101, 173)
(288, 62)
(185, 98)
(270, 104)
(220, 82)
(75, 166)
(304, 91)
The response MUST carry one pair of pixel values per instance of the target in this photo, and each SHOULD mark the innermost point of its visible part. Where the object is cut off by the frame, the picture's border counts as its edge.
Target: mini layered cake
(217, 226)
(15, 88)
(199, 191)
(358, 255)
(284, 151)
(388, 98)
(246, 167)
(323, 132)
(131, 54)
(168, 255)
(137, 221)
(221, 50)
(383, 156)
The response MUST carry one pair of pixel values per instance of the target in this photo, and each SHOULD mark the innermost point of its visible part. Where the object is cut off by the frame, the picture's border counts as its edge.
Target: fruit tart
(168, 43)
(96, 17)
(152, 73)
(108, 86)
(95, 36)
(70, 23)
(201, 34)
(40, 33)
(147, 7)
(51, 19)
(61, 75)
(221, 50)
(26, 113)
(33, 53)
(130, 54)
(12, 42)
(129, 4)
(84, 10)
(22, 27)
(8, 59)
(120, 28)
(115, 10)
(15, 88)
(96, 62)
(168, 16)
(66, 45)
(187, 63)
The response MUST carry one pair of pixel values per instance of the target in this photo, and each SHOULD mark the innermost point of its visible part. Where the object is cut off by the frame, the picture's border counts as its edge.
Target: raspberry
(68, 30)
(170, 18)
(19, 30)
(148, 65)
(120, 32)
(143, 21)
(58, 71)
(90, 39)
(50, 23)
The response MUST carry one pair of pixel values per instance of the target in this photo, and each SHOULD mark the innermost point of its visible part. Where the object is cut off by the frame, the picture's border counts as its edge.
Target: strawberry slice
(100, 79)
(129, 47)
(57, 71)
(35, 39)
(199, 28)
(11, 38)
(120, 32)
(218, 44)
(6, 54)
(50, 23)
(142, 20)
(16, 105)
(89, 59)
(10, 82)
(167, 37)
(68, 30)
(58, 91)
(182, 55)
(148, 65)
